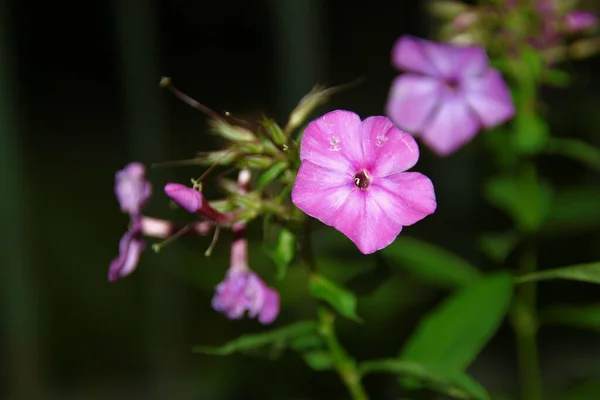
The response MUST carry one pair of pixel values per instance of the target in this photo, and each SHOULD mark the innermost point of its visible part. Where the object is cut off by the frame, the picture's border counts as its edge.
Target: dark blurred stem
(344, 364)
(524, 319)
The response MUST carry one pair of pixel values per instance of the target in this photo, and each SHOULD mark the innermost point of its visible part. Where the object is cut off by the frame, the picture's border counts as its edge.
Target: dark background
(79, 98)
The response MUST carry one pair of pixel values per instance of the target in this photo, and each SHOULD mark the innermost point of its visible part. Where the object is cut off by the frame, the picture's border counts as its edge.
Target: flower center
(452, 83)
(362, 180)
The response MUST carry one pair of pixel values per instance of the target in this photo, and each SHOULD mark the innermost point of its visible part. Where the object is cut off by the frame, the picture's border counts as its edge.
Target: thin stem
(524, 319)
(344, 364)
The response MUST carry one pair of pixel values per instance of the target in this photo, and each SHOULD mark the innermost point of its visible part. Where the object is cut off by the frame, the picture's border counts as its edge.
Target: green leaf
(586, 317)
(342, 300)
(530, 134)
(582, 272)
(284, 251)
(273, 130)
(573, 209)
(498, 245)
(576, 150)
(457, 384)
(523, 196)
(556, 77)
(430, 262)
(319, 360)
(271, 174)
(450, 337)
(280, 337)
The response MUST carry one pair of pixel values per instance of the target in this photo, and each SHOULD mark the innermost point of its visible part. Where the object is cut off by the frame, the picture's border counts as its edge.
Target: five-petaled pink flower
(353, 178)
(447, 94)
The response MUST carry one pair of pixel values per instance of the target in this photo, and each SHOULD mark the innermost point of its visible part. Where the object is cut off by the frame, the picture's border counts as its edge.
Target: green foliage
(456, 384)
(271, 174)
(276, 339)
(530, 133)
(342, 300)
(573, 209)
(284, 251)
(521, 195)
(579, 316)
(430, 262)
(312, 349)
(450, 337)
(498, 245)
(589, 273)
(576, 150)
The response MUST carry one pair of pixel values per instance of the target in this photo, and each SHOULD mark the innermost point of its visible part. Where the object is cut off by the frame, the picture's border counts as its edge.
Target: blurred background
(79, 98)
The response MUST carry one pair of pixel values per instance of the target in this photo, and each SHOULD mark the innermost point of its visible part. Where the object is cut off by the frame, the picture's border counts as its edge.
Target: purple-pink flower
(353, 178)
(243, 292)
(192, 201)
(448, 93)
(578, 21)
(133, 191)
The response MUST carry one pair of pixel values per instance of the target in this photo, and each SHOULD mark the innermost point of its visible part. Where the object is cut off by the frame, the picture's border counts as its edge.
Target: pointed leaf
(583, 272)
(450, 337)
(586, 317)
(432, 263)
(275, 337)
(456, 384)
(319, 360)
(342, 300)
(271, 174)
(523, 196)
(573, 209)
(576, 150)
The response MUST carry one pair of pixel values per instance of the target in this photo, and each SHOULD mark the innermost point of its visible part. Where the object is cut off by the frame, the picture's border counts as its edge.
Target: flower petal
(130, 250)
(470, 60)
(187, 198)
(333, 141)
(454, 125)
(319, 191)
(132, 188)
(409, 54)
(489, 97)
(412, 99)
(387, 149)
(362, 220)
(406, 197)
(270, 308)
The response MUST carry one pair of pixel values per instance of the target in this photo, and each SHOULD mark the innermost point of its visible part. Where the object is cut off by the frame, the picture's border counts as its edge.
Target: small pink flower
(578, 21)
(243, 291)
(131, 247)
(447, 94)
(132, 188)
(352, 178)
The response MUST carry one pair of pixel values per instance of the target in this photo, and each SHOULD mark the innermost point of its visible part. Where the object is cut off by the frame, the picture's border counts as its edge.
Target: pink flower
(243, 291)
(577, 21)
(447, 94)
(133, 191)
(352, 178)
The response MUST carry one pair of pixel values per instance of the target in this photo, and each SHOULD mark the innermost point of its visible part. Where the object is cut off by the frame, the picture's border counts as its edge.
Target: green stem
(344, 364)
(525, 324)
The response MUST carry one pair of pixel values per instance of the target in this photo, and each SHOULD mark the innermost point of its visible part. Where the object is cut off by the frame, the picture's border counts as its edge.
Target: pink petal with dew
(187, 198)
(412, 99)
(333, 141)
(406, 197)
(270, 308)
(453, 125)
(387, 149)
(470, 60)
(408, 54)
(489, 96)
(362, 220)
(319, 192)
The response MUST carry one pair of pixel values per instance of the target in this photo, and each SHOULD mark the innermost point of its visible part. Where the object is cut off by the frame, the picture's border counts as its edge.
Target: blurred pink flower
(447, 94)
(577, 21)
(193, 201)
(352, 178)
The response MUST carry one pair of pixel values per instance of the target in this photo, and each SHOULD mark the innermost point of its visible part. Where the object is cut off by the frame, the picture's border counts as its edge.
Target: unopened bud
(255, 162)
(220, 157)
(231, 132)
(273, 131)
